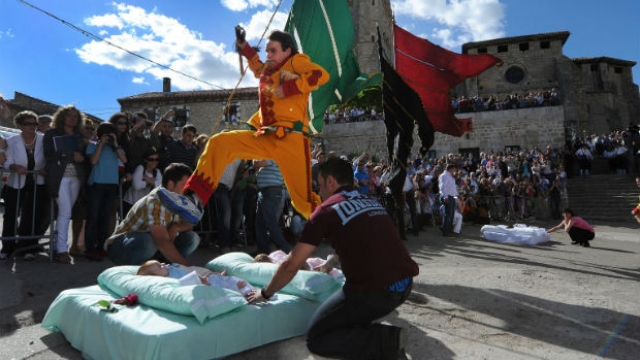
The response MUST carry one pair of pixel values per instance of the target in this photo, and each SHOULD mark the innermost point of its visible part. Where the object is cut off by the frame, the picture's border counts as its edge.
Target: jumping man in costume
(281, 124)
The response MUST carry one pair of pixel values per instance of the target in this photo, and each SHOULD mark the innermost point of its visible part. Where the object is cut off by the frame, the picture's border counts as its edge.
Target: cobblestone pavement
(473, 299)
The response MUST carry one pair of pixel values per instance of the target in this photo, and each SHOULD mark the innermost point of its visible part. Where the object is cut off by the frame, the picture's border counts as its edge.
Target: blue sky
(45, 58)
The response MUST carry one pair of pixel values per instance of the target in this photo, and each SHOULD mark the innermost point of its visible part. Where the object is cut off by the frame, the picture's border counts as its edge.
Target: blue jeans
(223, 215)
(449, 210)
(343, 325)
(411, 203)
(100, 203)
(237, 212)
(270, 205)
(138, 247)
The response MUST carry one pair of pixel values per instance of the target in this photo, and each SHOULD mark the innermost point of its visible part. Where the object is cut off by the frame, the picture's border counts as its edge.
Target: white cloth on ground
(519, 234)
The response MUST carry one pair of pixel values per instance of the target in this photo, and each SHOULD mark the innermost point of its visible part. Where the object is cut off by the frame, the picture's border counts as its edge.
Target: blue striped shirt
(269, 175)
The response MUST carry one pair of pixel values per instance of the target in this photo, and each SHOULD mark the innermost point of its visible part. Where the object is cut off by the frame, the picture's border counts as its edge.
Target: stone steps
(603, 198)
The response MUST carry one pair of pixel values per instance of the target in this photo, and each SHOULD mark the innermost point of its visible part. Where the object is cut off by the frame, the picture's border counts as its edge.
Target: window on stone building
(180, 117)
(431, 154)
(482, 50)
(512, 149)
(514, 74)
(231, 114)
(151, 112)
(545, 44)
(503, 48)
(475, 152)
(617, 70)
(524, 46)
(594, 68)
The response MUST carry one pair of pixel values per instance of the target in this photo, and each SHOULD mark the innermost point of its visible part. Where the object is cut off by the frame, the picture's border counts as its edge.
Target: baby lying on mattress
(312, 263)
(194, 275)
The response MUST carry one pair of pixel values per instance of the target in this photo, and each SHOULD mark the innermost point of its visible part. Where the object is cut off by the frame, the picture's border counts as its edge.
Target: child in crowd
(194, 275)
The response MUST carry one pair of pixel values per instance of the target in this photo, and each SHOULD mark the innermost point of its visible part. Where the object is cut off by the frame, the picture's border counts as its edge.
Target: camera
(149, 123)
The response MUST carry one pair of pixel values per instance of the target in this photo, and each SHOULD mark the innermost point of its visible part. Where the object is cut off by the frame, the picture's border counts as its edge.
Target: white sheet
(519, 234)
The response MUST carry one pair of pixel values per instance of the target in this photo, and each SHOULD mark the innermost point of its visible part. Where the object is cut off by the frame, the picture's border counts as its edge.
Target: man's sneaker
(29, 256)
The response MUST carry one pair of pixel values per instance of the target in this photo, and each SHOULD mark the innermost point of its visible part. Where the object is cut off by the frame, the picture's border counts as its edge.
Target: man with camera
(105, 153)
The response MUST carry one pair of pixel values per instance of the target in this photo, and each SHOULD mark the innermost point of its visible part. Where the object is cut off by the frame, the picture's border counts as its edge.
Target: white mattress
(141, 332)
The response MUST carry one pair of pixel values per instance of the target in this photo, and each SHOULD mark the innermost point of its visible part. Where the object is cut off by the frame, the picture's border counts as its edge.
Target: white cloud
(108, 20)
(165, 41)
(241, 5)
(138, 80)
(6, 33)
(457, 21)
(258, 23)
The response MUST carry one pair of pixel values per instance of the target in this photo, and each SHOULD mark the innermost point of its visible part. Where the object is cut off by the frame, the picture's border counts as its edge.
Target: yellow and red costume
(282, 134)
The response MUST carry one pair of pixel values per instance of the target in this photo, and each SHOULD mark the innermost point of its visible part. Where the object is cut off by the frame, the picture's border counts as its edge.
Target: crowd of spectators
(509, 102)
(461, 104)
(510, 185)
(349, 115)
(87, 170)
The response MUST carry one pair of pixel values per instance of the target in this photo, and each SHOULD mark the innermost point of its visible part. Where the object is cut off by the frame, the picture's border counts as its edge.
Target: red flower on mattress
(129, 300)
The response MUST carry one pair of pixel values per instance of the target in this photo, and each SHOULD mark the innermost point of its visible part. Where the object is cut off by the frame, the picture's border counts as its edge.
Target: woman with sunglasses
(122, 125)
(65, 170)
(80, 208)
(146, 177)
(25, 192)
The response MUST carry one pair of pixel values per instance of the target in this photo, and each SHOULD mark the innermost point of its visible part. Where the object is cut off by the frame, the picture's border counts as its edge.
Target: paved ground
(473, 299)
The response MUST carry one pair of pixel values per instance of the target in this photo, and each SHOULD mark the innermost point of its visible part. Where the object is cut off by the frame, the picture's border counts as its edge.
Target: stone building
(367, 16)
(210, 111)
(597, 94)
(21, 102)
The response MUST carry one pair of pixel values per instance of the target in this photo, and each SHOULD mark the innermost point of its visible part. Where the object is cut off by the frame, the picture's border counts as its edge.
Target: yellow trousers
(292, 153)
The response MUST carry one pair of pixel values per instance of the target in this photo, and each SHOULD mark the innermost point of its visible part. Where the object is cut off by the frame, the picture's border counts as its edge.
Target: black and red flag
(432, 72)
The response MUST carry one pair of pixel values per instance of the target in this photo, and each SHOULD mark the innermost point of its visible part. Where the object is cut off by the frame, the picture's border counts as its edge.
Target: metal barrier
(501, 208)
(515, 208)
(27, 204)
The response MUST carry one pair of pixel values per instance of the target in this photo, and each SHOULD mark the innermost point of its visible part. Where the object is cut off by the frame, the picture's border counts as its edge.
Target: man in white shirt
(448, 193)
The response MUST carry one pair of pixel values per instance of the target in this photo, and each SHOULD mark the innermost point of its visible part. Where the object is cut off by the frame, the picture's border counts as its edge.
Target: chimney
(166, 84)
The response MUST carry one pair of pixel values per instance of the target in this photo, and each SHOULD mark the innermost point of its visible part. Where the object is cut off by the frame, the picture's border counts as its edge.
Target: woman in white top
(24, 193)
(146, 177)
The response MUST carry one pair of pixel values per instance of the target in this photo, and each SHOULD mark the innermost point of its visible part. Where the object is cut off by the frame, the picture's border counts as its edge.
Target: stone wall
(205, 109)
(537, 64)
(493, 131)
(367, 16)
